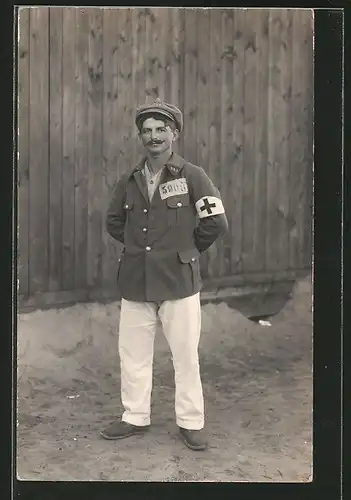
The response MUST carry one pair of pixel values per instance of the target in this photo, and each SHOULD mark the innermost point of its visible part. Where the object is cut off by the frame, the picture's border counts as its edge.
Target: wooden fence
(244, 79)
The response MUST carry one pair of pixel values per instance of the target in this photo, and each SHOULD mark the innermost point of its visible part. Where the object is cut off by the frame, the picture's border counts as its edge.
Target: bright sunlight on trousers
(181, 322)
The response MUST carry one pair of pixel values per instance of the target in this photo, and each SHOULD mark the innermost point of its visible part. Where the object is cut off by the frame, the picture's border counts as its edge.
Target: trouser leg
(136, 348)
(181, 321)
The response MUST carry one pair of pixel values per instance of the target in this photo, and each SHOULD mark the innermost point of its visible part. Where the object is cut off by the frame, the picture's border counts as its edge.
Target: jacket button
(148, 249)
(179, 204)
(193, 259)
(144, 229)
(127, 206)
(145, 210)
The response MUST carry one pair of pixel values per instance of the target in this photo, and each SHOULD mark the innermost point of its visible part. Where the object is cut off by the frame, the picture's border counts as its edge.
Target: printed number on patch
(173, 188)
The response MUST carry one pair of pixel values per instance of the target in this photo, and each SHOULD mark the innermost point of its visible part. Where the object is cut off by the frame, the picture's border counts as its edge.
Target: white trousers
(181, 322)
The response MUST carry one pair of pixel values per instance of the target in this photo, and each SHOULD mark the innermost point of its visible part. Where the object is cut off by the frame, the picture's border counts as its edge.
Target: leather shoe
(194, 439)
(120, 430)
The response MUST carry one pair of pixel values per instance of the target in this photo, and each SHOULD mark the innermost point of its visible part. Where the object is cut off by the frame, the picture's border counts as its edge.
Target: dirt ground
(257, 384)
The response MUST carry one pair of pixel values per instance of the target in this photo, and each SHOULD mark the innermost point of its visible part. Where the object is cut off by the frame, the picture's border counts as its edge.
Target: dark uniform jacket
(164, 239)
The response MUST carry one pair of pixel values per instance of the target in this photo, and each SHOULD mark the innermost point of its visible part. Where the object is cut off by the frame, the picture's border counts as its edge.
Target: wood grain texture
(125, 110)
(261, 131)
(191, 103)
(23, 152)
(249, 163)
(226, 145)
(95, 94)
(202, 89)
(282, 145)
(56, 156)
(308, 26)
(68, 149)
(300, 157)
(210, 261)
(39, 150)
(110, 153)
(81, 146)
(133, 13)
(276, 145)
(236, 229)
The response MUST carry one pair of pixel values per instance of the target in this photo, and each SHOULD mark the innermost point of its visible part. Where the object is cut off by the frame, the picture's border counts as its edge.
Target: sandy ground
(257, 385)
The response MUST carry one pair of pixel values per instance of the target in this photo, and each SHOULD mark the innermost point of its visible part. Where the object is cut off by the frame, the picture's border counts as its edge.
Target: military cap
(162, 108)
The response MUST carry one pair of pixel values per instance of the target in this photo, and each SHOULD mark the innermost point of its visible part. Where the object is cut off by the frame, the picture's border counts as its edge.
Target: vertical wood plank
(298, 138)
(191, 51)
(81, 148)
(125, 106)
(39, 150)
(174, 63)
(173, 39)
(214, 103)
(149, 61)
(259, 233)
(202, 89)
(238, 142)
(23, 151)
(202, 98)
(127, 69)
(167, 40)
(140, 68)
(309, 100)
(226, 144)
(156, 22)
(134, 93)
(276, 146)
(209, 261)
(68, 149)
(282, 142)
(181, 68)
(55, 110)
(110, 130)
(248, 185)
(95, 89)
(141, 44)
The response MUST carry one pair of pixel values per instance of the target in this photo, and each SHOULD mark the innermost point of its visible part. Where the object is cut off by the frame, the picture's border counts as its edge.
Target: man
(166, 212)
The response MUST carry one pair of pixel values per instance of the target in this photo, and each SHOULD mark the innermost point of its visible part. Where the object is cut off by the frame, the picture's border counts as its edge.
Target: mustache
(156, 141)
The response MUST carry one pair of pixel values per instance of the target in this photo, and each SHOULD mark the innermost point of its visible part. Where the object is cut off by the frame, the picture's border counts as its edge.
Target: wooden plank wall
(243, 79)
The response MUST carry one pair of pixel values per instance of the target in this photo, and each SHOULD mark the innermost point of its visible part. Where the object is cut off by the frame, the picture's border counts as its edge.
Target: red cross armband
(207, 206)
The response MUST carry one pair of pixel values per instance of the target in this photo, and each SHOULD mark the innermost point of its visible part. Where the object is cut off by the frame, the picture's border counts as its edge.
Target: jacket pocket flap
(187, 256)
(178, 201)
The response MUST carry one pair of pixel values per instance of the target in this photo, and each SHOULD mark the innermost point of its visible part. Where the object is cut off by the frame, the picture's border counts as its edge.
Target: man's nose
(154, 134)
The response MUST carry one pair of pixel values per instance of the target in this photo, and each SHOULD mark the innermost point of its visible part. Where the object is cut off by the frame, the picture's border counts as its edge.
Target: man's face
(156, 136)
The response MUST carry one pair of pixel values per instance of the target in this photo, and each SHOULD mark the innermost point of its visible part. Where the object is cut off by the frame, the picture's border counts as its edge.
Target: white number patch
(173, 188)
(208, 206)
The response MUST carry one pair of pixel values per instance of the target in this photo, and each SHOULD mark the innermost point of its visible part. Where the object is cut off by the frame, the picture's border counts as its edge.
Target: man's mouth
(155, 143)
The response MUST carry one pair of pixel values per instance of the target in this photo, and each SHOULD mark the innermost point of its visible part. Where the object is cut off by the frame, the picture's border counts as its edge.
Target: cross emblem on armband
(207, 206)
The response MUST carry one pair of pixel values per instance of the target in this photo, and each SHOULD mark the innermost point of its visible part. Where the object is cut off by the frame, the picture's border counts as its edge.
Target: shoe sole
(113, 438)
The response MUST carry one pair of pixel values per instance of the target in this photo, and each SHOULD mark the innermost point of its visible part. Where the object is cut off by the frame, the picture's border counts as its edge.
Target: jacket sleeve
(116, 216)
(213, 222)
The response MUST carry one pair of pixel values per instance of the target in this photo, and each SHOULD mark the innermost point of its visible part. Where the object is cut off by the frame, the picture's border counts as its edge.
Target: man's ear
(175, 135)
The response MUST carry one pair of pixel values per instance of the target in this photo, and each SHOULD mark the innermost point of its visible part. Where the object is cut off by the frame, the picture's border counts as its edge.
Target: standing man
(166, 212)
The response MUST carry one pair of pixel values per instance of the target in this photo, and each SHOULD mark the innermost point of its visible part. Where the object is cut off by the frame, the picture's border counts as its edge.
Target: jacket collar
(174, 165)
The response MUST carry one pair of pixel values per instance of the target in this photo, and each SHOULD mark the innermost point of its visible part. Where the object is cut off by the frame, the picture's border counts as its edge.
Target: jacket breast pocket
(178, 209)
